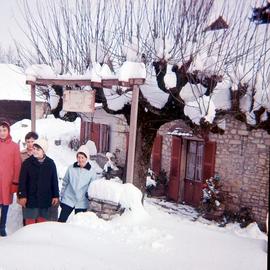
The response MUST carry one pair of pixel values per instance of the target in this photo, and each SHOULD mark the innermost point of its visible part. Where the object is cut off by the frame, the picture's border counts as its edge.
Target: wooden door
(174, 181)
(194, 173)
(200, 165)
(157, 154)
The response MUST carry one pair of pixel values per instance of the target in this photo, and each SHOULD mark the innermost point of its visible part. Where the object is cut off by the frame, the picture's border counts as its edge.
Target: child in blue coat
(75, 185)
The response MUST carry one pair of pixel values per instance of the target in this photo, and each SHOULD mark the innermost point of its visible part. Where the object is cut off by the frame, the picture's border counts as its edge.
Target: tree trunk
(145, 136)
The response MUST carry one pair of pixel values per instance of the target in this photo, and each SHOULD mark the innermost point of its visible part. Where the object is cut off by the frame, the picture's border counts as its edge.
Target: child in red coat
(10, 165)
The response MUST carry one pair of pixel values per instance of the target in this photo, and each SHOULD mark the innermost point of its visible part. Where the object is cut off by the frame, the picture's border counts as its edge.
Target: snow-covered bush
(212, 205)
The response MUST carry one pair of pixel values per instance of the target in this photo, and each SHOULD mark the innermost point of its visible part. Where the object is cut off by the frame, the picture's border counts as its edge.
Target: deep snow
(158, 240)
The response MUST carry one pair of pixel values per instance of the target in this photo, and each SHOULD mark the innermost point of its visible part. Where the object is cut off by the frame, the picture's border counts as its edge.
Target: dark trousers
(3, 219)
(66, 211)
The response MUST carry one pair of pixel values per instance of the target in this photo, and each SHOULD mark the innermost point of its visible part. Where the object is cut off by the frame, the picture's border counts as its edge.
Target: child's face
(81, 160)
(3, 132)
(38, 152)
(30, 143)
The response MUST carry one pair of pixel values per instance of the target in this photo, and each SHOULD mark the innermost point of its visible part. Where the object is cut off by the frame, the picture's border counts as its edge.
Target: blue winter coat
(75, 185)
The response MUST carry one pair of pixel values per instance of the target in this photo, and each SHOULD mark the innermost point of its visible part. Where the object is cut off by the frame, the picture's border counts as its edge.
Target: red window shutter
(96, 135)
(104, 138)
(174, 182)
(108, 138)
(156, 154)
(209, 160)
(82, 133)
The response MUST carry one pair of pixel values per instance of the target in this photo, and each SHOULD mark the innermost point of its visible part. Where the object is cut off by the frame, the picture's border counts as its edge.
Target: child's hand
(55, 201)
(22, 202)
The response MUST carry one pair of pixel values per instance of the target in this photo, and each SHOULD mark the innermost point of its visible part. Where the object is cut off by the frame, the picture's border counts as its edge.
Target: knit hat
(42, 143)
(83, 149)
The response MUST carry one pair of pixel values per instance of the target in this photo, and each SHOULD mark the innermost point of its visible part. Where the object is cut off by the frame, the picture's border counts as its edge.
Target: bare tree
(8, 56)
(172, 37)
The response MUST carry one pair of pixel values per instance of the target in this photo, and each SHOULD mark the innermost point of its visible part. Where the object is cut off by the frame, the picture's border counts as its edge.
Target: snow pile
(191, 92)
(251, 231)
(162, 241)
(221, 96)
(96, 74)
(43, 71)
(127, 195)
(91, 147)
(99, 72)
(116, 101)
(39, 71)
(13, 84)
(131, 70)
(153, 94)
(203, 107)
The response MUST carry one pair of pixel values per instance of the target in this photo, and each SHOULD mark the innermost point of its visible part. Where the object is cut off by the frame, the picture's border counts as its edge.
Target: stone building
(240, 157)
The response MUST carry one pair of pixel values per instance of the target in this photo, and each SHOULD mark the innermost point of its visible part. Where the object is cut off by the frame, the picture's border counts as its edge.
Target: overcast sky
(9, 29)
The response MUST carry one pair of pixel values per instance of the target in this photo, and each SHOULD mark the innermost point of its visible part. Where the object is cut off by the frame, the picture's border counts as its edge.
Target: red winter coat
(10, 165)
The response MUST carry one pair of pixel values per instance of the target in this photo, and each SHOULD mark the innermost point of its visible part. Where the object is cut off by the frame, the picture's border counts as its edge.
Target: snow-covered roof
(182, 130)
(12, 84)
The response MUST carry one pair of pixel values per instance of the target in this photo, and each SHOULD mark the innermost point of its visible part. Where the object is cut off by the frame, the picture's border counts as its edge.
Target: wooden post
(33, 107)
(132, 133)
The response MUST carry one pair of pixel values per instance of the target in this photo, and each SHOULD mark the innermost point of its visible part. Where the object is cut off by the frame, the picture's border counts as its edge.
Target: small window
(194, 161)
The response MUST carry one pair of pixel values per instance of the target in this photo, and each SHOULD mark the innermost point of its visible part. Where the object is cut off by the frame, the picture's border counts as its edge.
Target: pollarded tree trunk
(145, 137)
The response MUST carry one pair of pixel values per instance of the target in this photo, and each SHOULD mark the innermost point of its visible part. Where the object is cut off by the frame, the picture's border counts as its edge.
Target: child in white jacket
(75, 185)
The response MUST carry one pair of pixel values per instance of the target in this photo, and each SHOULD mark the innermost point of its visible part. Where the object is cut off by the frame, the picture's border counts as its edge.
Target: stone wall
(242, 161)
(166, 146)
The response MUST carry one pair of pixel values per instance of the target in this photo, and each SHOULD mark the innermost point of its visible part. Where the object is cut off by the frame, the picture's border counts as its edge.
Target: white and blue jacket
(75, 185)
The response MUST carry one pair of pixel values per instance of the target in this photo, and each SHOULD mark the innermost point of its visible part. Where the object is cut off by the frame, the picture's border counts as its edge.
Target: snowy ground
(155, 239)
(164, 236)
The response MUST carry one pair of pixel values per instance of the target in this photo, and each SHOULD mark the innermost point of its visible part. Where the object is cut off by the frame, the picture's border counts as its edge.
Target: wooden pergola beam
(45, 82)
(107, 83)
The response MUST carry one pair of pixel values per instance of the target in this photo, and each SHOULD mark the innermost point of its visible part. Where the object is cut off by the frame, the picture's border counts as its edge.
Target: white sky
(8, 13)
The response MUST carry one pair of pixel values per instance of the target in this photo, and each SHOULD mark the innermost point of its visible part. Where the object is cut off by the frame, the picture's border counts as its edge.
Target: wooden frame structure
(106, 83)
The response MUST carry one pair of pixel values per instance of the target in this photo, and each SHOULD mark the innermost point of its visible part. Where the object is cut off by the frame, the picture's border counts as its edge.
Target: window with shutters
(194, 166)
(98, 133)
